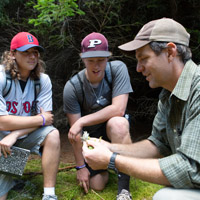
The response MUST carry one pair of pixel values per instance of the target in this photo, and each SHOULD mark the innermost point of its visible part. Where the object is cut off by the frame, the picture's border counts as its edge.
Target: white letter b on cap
(94, 42)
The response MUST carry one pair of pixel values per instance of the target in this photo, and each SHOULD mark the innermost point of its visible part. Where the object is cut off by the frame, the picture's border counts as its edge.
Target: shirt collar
(182, 88)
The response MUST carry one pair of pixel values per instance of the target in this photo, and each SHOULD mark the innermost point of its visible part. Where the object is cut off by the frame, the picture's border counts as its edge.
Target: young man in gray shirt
(95, 101)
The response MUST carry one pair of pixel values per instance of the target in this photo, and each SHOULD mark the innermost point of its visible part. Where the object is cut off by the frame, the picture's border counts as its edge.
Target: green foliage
(68, 189)
(50, 20)
(51, 11)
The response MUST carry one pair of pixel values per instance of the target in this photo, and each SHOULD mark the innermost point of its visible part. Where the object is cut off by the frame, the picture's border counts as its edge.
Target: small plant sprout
(86, 137)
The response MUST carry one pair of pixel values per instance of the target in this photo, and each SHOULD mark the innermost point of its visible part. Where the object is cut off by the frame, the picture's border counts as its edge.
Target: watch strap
(111, 164)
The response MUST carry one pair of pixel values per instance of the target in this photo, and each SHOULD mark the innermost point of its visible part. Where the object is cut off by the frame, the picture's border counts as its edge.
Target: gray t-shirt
(104, 92)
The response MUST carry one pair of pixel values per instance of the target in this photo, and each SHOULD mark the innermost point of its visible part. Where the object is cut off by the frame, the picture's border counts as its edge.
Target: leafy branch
(51, 11)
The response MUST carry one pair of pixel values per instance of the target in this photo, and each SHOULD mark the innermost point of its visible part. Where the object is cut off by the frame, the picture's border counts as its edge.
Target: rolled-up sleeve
(180, 171)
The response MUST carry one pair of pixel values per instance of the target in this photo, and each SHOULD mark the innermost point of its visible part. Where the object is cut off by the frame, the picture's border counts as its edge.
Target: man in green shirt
(171, 155)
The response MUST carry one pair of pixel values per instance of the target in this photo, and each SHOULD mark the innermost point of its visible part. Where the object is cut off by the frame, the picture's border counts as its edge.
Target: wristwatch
(111, 164)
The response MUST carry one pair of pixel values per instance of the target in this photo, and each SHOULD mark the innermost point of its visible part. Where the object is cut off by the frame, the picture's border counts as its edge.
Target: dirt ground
(67, 155)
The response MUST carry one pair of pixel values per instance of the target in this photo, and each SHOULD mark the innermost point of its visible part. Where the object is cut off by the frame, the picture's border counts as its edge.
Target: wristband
(80, 167)
(44, 121)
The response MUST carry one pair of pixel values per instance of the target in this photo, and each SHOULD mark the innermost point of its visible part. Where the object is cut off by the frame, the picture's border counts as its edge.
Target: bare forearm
(77, 149)
(10, 139)
(142, 149)
(145, 169)
(100, 116)
(22, 132)
(11, 122)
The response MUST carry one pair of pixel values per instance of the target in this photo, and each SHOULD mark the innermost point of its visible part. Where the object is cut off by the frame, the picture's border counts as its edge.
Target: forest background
(60, 25)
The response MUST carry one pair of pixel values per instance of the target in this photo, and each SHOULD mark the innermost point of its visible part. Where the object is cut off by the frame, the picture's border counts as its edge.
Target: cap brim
(28, 46)
(92, 54)
(133, 45)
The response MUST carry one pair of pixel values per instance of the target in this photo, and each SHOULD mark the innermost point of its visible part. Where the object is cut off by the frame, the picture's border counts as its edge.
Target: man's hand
(103, 142)
(74, 131)
(7, 142)
(83, 176)
(98, 157)
(49, 117)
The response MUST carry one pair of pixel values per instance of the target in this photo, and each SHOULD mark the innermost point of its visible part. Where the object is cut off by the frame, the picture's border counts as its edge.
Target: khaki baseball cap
(161, 30)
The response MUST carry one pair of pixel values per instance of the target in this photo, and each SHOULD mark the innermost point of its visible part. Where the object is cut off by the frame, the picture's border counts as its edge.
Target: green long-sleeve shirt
(176, 129)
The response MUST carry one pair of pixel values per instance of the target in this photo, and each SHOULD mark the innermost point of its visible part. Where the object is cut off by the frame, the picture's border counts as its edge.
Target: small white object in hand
(85, 136)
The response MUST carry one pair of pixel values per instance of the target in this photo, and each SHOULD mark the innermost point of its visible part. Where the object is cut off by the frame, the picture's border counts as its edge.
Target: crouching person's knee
(53, 139)
(118, 128)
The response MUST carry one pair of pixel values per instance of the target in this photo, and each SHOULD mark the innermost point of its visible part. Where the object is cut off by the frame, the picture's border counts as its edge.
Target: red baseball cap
(94, 45)
(23, 41)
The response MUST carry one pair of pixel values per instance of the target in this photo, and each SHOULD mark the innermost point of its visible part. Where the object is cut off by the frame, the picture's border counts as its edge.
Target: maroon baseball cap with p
(24, 41)
(94, 45)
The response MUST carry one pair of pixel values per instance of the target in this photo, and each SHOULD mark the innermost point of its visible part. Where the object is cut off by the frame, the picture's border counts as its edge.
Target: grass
(67, 188)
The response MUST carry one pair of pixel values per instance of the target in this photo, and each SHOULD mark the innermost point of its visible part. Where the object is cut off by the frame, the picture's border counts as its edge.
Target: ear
(172, 51)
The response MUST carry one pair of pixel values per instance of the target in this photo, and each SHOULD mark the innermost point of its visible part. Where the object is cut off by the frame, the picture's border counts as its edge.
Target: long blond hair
(11, 66)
